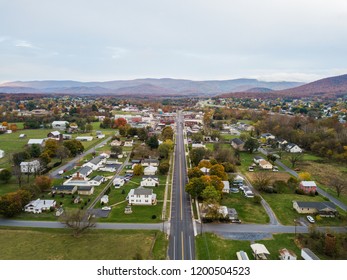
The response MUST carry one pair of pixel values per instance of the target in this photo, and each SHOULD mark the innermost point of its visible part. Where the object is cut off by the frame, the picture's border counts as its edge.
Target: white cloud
(24, 44)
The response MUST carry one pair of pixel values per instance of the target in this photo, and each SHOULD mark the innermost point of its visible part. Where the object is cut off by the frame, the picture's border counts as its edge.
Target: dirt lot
(275, 176)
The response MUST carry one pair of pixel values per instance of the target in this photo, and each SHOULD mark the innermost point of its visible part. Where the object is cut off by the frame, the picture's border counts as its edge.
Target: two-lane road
(181, 245)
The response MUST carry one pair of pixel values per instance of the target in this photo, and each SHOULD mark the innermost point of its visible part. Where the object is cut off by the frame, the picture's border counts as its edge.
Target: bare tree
(17, 172)
(294, 158)
(78, 220)
(261, 180)
(338, 184)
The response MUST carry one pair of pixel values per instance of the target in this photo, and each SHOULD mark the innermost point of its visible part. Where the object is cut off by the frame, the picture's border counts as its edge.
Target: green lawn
(59, 244)
(282, 205)
(247, 160)
(210, 246)
(248, 211)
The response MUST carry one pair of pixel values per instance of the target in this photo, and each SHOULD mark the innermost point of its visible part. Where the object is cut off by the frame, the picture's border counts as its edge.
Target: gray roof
(63, 188)
(315, 204)
(310, 253)
(85, 188)
(96, 160)
(85, 170)
(150, 160)
(98, 178)
(143, 191)
(237, 141)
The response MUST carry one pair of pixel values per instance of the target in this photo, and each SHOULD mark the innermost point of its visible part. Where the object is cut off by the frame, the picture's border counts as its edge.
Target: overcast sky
(99, 40)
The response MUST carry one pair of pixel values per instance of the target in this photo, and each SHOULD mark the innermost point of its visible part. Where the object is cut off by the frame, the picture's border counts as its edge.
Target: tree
(62, 153)
(74, 146)
(51, 147)
(205, 163)
(338, 183)
(78, 220)
(152, 142)
(194, 172)
(142, 133)
(164, 168)
(89, 127)
(106, 123)
(295, 158)
(272, 158)
(138, 170)
(218, 170)
(34, 150)
(19, 157)
(13, 203)
(45, 159)
(214, 181)
(116, 150)
(261, 180)
(164, 150)
(229, 167)
(43, 182)
(17, 172)
(210, 195)
(167, 133)
(196, 155)
(251, 145)
(195, 187)
(120, 122)
(5, 175)
(197, 137)
(224, 155)
(304, 176)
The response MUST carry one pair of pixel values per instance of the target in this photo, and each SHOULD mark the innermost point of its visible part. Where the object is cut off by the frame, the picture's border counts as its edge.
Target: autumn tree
(89, 127)
(51, 147)
(210, 195)
(167, 133)
(195, 187)
(164, 150)
(219, 171)
(138, 170)
(195, 172)
(74, 146)
(163, 168)
(43, 182)
(304, 176)
(13, 203)
(205, 163)
(120, 122)
(62, 153)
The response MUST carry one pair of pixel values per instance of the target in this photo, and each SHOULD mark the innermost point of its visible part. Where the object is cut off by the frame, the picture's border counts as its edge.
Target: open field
(59, 244)
(213, 247)
(274, 176)
(249, 212)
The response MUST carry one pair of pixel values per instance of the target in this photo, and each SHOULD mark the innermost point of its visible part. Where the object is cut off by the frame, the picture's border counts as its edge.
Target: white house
(60, 125)
(2, 153)
(141, 196)
(150, 161)
(149, 182)
(293, 148)
(128, 143)
(84, 182)
(264, 164)
(104, 199)
(40, 142)
(118, 182)
(205, 170)
(33, 166)
(150, 170)
(260, 252)
(198, 145)
(226, 188)
(84, 138)
(84, 172)
(96, 162)
(38, 205)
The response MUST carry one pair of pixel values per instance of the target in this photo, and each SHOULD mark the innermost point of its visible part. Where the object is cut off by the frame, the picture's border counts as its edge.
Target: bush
(56, 164)
(299, 191)
(257, 199)
(154, 217)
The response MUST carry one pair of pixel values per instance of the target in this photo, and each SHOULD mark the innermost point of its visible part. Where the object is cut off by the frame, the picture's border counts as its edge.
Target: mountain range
(145, 87)
(328, 87)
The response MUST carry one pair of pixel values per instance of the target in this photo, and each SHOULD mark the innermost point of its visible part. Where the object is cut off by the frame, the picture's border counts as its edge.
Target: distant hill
(146, 87)
(331, 87)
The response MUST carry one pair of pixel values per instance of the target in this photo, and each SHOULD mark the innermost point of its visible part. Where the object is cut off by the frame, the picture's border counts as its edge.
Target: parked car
(60, 172)
(106, 208)
(310, 219)
(251, 169)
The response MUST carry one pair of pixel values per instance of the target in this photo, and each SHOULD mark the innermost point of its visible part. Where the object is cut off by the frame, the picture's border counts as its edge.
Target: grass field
(248, 211)
(59, 244)
(212, 247)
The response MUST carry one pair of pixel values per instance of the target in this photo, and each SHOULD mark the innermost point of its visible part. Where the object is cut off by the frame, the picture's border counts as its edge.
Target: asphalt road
(71, 164)
(181, 240)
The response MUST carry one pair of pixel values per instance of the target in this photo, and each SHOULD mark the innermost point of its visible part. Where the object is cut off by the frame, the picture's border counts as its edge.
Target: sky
(102, 40)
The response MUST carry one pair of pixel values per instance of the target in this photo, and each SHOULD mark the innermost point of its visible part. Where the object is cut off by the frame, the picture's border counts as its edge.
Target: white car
(310, 219)
(106, 208)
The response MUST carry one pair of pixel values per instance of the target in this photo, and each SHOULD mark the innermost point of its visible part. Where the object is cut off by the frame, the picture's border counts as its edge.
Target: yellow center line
(181, 202)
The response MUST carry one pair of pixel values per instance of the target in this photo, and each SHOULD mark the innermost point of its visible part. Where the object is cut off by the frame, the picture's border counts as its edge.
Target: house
(21, 136)
(100, 136)
(67, 136)
(286, 254)
(116, 143)
(198, 145)
(40, 142)
(307, 254)
(96, 162)
(64, 189)
(128, 143)
(84, 138)
(293, 148)
(323, 208)
(264, 164)
(84, 172)
(238, 144)
(97, 180)
(118, 182)
(238, 180)
(104, 199)
(267, 136)
(60, 125)
(2, 153)
(233, 215)
(260, 252)
(150, 162)
(110, 167)
(205, 170)
(308, 186)
(223, 211)
(257, 159)
(242, 256)
(150, 170)
(149, 182)
(85, 190)
(33, 166)
(226, 188)
(142, 196)
(54, 134)
(38, 205)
